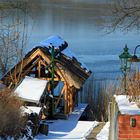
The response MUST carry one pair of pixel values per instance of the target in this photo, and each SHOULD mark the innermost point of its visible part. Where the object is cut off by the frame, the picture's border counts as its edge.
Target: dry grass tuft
(98, 103)
(10, 114)
(104, 97)
(133, 90)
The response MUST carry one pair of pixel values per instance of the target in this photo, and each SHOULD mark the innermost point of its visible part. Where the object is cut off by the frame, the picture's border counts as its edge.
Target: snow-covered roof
(31, 89)
(126, 107)
(55, 41)
(71, 55)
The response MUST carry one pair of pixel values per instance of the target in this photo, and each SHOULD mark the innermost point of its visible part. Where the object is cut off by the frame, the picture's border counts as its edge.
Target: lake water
(78, 26)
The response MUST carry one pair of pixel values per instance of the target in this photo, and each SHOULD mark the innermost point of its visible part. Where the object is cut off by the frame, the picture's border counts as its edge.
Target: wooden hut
(67, 69)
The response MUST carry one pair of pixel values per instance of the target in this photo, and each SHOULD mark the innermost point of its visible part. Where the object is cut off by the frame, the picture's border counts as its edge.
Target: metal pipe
(136, 49)
(52, 81)
(52, 61)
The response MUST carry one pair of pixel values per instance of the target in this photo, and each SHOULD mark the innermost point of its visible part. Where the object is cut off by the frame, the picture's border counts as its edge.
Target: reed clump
(133, 88)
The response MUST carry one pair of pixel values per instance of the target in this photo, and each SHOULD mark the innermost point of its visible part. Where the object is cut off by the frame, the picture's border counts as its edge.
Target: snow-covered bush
(11, 122)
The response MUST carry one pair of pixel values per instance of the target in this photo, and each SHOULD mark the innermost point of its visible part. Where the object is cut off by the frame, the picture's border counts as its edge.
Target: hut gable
(69, 72)
(35, 62)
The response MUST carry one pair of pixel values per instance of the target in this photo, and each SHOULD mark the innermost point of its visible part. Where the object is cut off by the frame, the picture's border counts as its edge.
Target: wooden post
(58, 100)
(15, 75)
(66, 99)
(71, 100)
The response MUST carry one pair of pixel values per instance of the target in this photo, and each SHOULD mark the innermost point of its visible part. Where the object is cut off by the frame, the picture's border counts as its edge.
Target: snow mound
(126, 107)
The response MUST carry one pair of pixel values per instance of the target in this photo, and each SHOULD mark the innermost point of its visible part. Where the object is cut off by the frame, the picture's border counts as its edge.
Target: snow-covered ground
(70, 129)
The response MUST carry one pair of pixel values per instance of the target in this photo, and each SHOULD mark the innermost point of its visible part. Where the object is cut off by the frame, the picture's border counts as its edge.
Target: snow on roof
(58, 42)
(71, 55)
(55, 41)
(126, 107)
(31, 89)
(68, 53)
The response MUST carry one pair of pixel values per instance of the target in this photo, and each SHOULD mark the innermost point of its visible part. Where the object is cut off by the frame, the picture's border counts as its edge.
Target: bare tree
(125, 15)
(13, 32)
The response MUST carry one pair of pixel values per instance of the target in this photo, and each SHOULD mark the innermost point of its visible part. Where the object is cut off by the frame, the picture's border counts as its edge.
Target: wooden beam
(48, 60)
(70, 99)
(20, 72)
(71, 102)
(58, 100)
(30, 68)
(55, 79)
(10, 77)
(62, 75)
(43, 63)
(66, 100)
(26, 61)
(15, 75)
